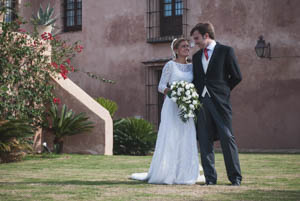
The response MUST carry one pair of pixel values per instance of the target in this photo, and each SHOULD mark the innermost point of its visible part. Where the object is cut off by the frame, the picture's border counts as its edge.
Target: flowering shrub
(186, 97)
(24, 75)
(26, 70)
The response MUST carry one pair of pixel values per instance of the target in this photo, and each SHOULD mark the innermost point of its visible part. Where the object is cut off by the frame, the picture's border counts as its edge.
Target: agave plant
(66, 123)
(45, 17)
(133, 136)
(12, 133)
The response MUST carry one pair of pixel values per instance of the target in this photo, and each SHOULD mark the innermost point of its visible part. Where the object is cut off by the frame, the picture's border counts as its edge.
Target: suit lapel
(199, 61)
(213, 57)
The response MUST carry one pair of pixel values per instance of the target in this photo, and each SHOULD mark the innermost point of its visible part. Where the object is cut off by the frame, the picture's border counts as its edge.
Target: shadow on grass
(77, 182)
(43, 156)
(265, 195)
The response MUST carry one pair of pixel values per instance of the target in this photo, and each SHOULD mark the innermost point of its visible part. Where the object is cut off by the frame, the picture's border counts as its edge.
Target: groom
(216, 73)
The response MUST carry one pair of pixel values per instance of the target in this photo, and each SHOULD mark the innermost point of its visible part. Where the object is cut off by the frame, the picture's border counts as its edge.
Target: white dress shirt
(210, 49)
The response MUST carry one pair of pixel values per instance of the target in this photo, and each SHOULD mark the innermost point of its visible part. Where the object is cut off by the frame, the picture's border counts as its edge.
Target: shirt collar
(212, 45)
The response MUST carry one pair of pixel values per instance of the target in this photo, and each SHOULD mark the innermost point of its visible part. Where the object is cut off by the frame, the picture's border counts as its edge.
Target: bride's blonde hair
(175, 44)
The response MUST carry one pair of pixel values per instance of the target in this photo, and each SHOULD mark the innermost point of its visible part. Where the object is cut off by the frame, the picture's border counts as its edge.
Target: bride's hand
(166, 91)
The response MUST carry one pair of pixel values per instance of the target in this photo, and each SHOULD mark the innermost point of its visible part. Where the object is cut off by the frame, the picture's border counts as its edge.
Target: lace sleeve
(165, 77)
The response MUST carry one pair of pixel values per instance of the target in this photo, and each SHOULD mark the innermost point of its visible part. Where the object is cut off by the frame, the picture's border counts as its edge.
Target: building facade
(129, 42)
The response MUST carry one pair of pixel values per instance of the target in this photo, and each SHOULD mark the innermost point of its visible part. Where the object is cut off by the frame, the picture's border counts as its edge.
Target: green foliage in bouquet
(133, 136)
(66, 123)
(185, 95)
(12, 135)
(110, 105)
(45, 17)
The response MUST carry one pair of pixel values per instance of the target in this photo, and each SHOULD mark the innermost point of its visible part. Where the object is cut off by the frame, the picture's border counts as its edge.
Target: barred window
(166, 19)
(10, 13)
(72, 15)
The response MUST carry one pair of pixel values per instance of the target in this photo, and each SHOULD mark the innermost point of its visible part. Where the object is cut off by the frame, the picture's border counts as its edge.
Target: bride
(175, 159)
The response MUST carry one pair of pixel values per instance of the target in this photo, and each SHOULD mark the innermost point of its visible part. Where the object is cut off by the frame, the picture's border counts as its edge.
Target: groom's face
(199, 40)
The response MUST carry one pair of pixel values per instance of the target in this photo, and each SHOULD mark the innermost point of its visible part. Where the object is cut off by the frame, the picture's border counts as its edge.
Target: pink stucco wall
(265, 105)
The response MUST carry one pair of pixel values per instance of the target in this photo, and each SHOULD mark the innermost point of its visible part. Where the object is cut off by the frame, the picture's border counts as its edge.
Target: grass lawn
(267, 177)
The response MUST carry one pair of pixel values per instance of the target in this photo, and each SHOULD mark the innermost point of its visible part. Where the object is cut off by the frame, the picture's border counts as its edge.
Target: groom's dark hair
(203, 28)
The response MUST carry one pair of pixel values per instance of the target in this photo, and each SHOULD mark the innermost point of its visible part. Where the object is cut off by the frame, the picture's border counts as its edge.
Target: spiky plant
(12, 135)
(133, 136)
(110, 105)
(45, 17)
(66, 123)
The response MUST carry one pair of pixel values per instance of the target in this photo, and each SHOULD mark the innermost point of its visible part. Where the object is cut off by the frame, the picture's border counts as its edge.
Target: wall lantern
(262, 49)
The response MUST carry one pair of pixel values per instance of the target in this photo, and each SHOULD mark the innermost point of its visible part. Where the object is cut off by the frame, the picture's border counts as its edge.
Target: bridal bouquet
(185, 95)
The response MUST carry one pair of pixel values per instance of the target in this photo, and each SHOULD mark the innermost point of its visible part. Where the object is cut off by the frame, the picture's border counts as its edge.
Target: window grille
(166, 20)
(10, 13)
(154, 99)
(72, 15)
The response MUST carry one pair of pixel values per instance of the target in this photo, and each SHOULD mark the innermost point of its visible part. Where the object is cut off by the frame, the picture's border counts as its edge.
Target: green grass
(267, 177)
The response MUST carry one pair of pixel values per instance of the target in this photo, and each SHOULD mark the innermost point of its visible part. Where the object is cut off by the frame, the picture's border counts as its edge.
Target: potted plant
(66, 123)
(44, 19)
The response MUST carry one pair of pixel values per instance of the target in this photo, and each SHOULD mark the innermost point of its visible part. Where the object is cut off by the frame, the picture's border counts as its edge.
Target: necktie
(205, 53)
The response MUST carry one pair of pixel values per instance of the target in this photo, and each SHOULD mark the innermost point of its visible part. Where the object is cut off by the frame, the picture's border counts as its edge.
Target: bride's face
(183, 49)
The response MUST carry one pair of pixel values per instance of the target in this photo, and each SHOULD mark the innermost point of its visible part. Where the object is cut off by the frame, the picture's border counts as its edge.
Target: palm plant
(66, 123)
(12, 134)
(45, 17)
(110, 105)
(133, 136)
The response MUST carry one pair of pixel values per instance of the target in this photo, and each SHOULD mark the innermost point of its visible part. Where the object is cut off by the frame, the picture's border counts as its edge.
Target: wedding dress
(175, 159)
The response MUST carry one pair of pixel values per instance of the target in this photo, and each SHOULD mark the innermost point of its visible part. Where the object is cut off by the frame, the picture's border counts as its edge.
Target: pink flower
(64, 75)
(47, 36)
(68, 61)
(50, 37)
(19, 22)
(22, 30)
(79, 48)
(56, 100)
(44, 37)
(54, 65)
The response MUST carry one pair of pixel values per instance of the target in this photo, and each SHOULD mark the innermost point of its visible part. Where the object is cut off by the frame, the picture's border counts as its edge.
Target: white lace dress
(175, 159)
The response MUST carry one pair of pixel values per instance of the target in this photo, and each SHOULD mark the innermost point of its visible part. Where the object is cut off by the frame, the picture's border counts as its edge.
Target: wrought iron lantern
(263, 49)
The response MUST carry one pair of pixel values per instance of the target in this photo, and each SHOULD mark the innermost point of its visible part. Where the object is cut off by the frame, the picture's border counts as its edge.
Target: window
(73, 15)
(10, 13)
(154, 99)
(166, 19)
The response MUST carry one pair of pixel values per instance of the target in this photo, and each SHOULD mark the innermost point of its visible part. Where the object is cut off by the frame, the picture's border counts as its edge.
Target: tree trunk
(58, 145)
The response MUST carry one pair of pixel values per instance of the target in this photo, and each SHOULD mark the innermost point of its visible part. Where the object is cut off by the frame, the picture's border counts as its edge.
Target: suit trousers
(210, 125)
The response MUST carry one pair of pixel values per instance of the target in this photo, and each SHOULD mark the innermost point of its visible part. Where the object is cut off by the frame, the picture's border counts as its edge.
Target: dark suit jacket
(222, 75)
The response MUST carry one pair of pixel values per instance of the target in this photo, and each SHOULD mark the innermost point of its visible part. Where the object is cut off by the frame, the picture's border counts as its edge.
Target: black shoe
(236, 183)
(209, 183)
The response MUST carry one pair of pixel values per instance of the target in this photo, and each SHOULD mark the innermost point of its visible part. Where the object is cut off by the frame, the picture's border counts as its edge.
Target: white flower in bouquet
(182, 107)
(195, 95)
(186, 97)
(191, 115)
